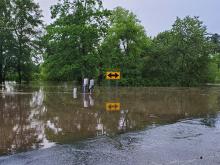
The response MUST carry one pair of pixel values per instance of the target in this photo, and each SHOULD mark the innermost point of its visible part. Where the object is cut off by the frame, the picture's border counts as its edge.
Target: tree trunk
(19, 63)
(1, 64)
(1, 77)
(19, 72)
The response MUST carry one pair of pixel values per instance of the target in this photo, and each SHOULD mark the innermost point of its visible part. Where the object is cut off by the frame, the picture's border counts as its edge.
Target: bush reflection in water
(40, 116)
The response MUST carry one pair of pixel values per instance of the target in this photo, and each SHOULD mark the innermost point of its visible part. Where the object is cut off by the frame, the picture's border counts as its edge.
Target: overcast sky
(158, 15)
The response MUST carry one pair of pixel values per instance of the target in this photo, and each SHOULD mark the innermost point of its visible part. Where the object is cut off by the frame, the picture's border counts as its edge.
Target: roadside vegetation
(85, 40)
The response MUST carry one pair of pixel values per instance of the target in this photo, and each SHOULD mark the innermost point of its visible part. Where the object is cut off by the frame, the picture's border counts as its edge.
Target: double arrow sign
(113, 75)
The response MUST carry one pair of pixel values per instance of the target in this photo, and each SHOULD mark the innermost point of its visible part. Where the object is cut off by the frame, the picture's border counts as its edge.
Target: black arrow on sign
(113, 75)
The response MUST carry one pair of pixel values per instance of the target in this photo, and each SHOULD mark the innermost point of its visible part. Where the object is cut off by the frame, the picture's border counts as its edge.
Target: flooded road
(48, 124)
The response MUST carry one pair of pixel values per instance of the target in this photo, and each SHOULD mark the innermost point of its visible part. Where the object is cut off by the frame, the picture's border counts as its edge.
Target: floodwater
(45, 123)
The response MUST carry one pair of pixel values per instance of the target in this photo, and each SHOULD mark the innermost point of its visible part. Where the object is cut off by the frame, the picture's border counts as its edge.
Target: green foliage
(214, 65)
(26, 21)
(72, 41)
(125, 46)
(159, 68)
(85, 40)
(180, 56)
(19, 32)
(76, 49)
(214, 68)
(6, 40)
(215, 41)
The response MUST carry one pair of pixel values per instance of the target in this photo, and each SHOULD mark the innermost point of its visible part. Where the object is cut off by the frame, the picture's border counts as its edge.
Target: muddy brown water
(40, 116)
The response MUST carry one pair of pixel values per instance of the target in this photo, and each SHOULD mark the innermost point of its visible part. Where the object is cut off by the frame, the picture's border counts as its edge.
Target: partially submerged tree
(192, 48)
(125, 46)
(6, 39)
(183, 55)
(72, 41)
(27, 24)
(160, 66)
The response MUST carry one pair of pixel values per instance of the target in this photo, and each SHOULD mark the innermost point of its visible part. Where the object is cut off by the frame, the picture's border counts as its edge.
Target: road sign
(113, 75)
(113, 107)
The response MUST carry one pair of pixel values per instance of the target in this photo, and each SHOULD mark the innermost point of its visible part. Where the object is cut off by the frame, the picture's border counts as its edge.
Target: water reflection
(39, 116)
(18, 130)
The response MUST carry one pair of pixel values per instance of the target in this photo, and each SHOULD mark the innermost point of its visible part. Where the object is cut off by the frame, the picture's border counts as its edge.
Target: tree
(160, 67)
(72, 41)
(27, 24)
(214, 65)
(181, 55)
(193, 51)
(125, 46)
(215, 39)
(6, 39)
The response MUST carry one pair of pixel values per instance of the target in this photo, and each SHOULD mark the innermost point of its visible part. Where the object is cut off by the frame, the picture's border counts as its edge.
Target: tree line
(85, 40)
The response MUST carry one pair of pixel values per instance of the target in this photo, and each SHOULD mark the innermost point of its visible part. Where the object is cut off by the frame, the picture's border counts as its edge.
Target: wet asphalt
(187, 142)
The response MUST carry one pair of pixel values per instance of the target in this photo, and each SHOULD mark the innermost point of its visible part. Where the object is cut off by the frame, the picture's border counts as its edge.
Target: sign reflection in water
(37, 116)
(113, 107)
